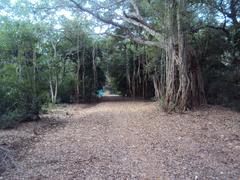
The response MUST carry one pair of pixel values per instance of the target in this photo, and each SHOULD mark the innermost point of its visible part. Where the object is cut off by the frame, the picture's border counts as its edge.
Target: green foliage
(21, 89)
(67, 90)
(221, 75)
(10, 119)
(39, 63)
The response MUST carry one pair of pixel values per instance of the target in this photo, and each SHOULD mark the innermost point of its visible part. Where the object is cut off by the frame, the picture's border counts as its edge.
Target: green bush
(10, 119)
(19, 100)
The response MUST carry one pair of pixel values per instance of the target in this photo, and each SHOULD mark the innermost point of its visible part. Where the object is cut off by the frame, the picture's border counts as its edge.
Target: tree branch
(107, 21)
(132, 18)
(135, 7)
(136, 19)
(139, 40)
(151, 31)
(223, 29)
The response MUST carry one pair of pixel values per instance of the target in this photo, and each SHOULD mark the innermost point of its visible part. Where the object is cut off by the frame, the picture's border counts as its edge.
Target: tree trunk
(83, 75)
(56, 90)
(128, 72)
(34, 72)
(78, 71)
(51, 90)
(134, 75)
(54, 87)
(94, 69)
(183, 85)
(170, 58)
(156, 87)
(78, 81)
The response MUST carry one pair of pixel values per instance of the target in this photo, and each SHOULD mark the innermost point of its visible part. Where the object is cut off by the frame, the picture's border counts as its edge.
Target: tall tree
(184, 87)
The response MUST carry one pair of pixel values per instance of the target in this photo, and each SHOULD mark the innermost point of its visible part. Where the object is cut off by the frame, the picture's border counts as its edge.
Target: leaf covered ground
(123, 140)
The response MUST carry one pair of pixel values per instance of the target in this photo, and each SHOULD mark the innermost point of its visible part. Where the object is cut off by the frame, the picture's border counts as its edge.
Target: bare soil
(123, 140)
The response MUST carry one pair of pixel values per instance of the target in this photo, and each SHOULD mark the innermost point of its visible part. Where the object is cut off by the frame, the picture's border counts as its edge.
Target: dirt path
(126, 140)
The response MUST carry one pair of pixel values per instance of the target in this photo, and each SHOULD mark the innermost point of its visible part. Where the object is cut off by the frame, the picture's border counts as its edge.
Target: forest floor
(123, 140)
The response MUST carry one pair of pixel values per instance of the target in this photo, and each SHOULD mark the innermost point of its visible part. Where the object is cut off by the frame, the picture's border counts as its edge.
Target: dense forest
(182, 53)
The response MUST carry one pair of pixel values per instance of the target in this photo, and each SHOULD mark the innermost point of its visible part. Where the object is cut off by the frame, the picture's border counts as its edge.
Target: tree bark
(184, 85)
(53, 82)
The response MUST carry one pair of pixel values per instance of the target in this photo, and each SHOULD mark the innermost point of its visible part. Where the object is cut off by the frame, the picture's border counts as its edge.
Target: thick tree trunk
(184, 87)
(171, 53)
(182, 61)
